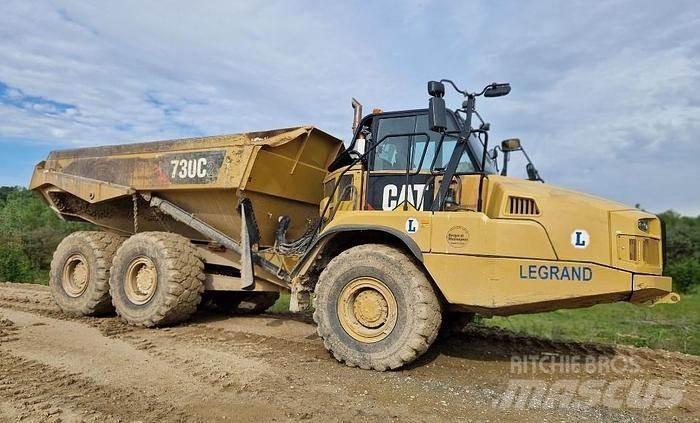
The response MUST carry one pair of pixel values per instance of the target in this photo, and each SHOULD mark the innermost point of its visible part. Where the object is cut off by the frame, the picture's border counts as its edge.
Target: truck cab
(409, 162)
(496, 245)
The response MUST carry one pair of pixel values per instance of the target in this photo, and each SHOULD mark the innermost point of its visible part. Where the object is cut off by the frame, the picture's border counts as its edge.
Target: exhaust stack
(356, 114)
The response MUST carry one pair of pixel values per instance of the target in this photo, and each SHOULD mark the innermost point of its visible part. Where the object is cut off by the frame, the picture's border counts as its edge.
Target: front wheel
(375, 308)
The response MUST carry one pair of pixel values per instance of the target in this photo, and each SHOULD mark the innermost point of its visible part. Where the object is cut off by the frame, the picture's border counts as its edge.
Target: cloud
(177, 71)
(604, 94)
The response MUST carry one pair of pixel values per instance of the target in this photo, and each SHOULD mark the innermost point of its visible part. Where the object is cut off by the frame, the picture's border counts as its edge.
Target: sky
(605, 98)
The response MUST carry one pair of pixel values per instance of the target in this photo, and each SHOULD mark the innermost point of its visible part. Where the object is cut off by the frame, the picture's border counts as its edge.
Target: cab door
(395, 178)
(398, 190)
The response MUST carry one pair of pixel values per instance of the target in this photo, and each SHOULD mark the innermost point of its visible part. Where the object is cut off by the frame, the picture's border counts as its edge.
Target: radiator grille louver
(519, 206)
(641, 250)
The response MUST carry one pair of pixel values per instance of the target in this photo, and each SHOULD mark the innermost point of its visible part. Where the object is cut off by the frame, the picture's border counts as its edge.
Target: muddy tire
(79, 277)
(238, 302)
(157, 279)
(375, 308)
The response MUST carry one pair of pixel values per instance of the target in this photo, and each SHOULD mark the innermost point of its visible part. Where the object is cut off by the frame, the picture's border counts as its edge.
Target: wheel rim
(141, 280)
(367, 310)
(76, 275)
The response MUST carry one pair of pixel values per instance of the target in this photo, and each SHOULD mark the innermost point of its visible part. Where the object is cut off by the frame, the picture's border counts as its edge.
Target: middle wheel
(156, 279)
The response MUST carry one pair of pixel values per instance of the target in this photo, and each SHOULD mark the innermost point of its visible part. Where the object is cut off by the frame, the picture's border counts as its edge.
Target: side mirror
(511, 144)
(532, 173)
(437, 114)
(497, 90)
(436, 89)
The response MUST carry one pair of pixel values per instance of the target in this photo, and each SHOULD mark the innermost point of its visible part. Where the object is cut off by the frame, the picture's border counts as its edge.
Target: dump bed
(280, 171)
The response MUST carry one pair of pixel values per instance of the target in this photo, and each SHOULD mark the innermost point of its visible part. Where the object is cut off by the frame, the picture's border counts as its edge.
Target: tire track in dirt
(40, 393)
(155, 389)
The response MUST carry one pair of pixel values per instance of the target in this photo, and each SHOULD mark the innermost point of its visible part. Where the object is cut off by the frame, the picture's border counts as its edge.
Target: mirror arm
(464, 93)
(533, 165)
(457, 153)
(479, 203)
(506, 158)
(479, 116)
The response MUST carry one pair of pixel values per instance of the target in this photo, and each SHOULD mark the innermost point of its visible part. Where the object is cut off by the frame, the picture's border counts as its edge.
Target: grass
(281, 306)
(673, 327)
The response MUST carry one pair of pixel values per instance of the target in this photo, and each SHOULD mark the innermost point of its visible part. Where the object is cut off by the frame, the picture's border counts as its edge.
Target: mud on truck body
(411, 222)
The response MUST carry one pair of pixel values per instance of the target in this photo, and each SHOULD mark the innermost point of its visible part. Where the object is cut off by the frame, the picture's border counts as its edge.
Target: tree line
(30, 232)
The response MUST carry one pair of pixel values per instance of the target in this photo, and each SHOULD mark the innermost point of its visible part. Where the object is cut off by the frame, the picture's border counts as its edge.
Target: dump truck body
(280, 171)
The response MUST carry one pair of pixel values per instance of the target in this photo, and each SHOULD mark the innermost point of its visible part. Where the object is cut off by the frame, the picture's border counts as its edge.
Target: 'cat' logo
(393, 196)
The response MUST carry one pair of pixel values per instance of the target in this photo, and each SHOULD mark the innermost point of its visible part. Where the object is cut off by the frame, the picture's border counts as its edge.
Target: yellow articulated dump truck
(414, 220)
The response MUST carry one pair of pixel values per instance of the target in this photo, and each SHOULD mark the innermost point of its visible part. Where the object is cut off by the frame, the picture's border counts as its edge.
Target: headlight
(643, 225)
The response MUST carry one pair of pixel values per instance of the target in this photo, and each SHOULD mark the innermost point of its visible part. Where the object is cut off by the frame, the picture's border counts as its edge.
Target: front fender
(360, 233)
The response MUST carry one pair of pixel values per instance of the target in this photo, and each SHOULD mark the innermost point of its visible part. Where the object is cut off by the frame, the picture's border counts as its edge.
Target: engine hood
(580, 226)
(558, 194)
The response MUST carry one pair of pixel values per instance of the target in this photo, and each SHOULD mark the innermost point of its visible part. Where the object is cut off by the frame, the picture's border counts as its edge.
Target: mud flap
(247, 265)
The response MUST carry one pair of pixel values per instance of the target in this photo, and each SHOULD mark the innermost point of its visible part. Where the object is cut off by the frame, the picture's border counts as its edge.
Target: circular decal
(580, 238)
(457, 236)
(412, 225)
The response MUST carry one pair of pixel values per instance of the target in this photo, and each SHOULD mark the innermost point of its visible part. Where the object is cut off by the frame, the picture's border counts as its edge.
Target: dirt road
(274, 368)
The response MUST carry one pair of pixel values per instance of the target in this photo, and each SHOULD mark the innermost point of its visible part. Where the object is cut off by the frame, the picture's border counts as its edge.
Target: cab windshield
(423, 147)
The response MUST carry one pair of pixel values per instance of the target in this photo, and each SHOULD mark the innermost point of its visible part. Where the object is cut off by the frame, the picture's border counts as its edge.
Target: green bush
(682, 250)
(14, 265)
(685, 273)
(29, 233)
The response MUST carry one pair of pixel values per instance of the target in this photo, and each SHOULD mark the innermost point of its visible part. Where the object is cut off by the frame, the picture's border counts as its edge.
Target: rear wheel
(375, 308)
(79, 277)
(156, 279)
(239, 302)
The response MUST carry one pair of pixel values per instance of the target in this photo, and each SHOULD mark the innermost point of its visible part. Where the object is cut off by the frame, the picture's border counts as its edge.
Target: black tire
(419, 312)
(239, 302)
(176, 269)
(96, 251)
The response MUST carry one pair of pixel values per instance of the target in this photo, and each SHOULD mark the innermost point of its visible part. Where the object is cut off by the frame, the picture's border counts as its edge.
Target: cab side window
(445, 151)
(392, 153)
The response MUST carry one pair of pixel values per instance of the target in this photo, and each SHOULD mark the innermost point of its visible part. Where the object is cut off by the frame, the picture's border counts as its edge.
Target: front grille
(520, 206)
(650, 251)
(639, 250)
(633, 249)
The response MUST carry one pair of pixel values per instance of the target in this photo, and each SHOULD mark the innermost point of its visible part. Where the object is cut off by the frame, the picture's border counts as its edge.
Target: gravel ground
(58, 368)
